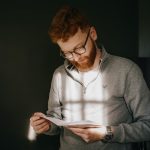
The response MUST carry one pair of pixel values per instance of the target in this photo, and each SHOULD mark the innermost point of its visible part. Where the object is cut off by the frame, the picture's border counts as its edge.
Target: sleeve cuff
(54, 130)
(117, 134)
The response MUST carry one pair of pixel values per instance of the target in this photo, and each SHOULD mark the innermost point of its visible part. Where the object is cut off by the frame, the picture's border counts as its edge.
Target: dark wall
(28, 58)
(144, 28)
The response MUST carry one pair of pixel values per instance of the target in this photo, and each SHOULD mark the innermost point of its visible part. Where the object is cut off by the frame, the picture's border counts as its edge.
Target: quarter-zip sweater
(116, 95)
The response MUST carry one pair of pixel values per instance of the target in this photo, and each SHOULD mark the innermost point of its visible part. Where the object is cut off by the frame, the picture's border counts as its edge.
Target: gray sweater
(123, 102)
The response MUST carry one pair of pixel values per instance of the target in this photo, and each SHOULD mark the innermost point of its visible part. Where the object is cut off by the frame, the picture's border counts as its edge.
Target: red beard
(86, 62)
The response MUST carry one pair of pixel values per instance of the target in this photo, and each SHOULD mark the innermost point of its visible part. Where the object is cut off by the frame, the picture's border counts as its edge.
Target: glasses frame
(75, 49)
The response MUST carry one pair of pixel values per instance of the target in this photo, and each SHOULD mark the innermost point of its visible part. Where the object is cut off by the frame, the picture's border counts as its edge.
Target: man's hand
(90, 134)
(39, 124)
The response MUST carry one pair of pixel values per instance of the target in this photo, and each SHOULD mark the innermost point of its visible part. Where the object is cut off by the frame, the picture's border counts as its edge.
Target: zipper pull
(84, 90)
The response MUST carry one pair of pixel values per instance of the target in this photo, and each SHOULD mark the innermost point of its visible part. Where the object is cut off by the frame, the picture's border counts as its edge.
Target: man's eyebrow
(80, 44)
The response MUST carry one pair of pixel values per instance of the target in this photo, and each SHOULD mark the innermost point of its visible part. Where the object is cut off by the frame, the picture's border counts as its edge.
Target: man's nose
(75, 56)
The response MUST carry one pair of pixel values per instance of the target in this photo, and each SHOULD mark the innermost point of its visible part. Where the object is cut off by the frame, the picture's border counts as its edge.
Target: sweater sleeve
(54, 105)
(137, 97)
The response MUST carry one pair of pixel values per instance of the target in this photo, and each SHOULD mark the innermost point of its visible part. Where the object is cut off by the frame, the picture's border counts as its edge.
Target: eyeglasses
(78, 50)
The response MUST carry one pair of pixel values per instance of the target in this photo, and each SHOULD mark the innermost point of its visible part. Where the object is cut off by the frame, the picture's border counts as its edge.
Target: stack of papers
(75, 124)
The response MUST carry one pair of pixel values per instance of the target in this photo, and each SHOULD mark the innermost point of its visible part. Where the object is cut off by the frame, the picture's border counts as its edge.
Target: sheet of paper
(81, 124)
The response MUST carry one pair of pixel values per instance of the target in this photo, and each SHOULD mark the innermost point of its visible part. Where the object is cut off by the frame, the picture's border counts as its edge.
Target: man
(93, 85)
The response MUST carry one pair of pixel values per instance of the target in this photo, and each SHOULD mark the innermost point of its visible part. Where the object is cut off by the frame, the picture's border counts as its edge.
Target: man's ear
(93, 33)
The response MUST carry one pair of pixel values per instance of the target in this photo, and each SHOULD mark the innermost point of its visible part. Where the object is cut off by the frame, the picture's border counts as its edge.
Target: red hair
(66, 23)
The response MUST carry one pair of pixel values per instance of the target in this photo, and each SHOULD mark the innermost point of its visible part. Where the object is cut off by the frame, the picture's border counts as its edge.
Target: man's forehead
(72, 42)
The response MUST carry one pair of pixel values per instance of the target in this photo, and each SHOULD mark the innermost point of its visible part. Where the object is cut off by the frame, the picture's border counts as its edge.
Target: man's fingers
(77, 130)
(40, 126)
(39, 121)
(39, 114)
(43, 129)
(34, 118)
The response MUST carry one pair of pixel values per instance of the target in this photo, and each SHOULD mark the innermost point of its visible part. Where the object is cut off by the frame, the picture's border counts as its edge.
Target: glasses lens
(80, 50)
(68, 55)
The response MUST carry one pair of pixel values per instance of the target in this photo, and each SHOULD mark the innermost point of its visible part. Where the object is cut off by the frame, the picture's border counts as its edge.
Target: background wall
(144, 28)
(28, 58)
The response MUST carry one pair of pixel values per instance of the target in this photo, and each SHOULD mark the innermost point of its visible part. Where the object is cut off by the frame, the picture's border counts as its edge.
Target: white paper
(75, 124)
